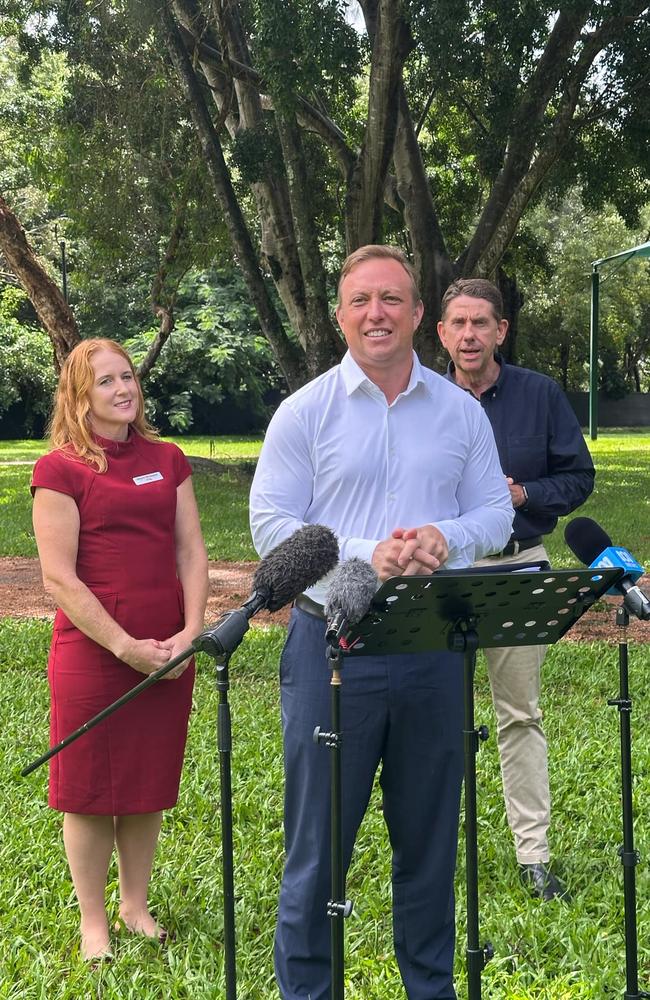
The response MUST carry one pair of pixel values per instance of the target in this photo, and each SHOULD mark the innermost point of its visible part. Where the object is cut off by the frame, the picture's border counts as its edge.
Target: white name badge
(151, 477)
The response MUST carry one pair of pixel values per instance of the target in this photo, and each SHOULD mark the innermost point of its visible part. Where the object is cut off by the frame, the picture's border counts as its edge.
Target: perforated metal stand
(463, 612)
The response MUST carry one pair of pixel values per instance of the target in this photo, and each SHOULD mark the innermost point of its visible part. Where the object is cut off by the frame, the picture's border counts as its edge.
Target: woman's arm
(56, 527)
(192, 569)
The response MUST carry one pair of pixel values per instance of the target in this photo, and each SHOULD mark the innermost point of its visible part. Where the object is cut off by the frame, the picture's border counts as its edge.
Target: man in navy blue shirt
(549, 473)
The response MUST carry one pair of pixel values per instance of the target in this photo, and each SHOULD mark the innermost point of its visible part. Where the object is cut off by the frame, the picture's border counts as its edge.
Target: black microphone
(594, 547)
(291, 567)
(294, 565)
(349, 596)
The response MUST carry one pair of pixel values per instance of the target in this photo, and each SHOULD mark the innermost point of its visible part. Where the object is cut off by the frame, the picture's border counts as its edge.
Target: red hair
(70, 427)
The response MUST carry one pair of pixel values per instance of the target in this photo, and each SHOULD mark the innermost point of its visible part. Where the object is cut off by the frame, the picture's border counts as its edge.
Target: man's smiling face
(378, 315)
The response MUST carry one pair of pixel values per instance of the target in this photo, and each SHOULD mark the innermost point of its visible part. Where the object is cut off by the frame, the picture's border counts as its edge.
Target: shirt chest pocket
(526, 457)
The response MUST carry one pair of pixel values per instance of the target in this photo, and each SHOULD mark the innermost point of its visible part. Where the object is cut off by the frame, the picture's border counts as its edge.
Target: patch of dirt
(22, 596)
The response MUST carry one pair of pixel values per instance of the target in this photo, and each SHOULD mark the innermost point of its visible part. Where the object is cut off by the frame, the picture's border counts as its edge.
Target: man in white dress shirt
(404, 470)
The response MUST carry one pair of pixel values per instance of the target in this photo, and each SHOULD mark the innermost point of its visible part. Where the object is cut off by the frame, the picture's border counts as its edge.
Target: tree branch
(51, 308)
(308, 115)
(564, 124)
(164, 310)
(525, 128)
(391, 43)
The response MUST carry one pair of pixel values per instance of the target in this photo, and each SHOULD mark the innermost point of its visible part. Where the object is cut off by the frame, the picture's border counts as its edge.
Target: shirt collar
(354, 377)
(492, 390)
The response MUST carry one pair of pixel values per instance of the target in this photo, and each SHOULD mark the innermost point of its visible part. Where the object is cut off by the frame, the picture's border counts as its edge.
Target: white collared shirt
(335, 453)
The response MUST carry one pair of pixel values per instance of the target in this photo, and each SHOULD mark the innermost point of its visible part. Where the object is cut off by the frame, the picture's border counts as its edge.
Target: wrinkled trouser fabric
(515, 681)
(406, 713)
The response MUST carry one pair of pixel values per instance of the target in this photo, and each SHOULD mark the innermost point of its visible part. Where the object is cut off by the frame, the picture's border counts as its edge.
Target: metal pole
(593, 354)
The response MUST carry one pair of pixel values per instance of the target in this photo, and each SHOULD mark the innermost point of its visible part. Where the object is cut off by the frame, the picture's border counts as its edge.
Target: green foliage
(26, 373)
(555, 321)
(215, 355)
(306, 47)
(496, 48)
(256, 152)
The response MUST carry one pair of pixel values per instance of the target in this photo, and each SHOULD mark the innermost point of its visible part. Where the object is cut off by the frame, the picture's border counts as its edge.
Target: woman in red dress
(121, 551)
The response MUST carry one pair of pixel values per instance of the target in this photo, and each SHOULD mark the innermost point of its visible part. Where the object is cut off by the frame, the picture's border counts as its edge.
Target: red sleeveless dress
(131, 762)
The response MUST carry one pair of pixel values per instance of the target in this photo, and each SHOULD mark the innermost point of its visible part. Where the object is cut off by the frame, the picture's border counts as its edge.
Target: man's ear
(502, 330)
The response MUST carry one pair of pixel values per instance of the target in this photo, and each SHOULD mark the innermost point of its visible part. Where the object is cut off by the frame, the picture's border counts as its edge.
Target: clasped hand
(410, 552)
(149, 655)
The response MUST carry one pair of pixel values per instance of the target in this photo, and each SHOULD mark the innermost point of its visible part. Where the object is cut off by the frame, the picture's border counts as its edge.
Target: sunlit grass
(543, 951)
(23, 450)
(620, 501)
(237, 448)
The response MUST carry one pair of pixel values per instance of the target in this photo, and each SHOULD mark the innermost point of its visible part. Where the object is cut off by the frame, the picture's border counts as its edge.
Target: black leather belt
(514, 547)
(310, 607)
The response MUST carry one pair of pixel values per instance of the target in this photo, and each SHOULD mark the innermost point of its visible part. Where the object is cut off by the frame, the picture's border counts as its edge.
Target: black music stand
(463, 611)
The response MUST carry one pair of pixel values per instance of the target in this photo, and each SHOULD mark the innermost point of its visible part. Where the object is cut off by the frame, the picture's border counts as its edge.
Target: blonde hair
(374, 251)
(70, 427)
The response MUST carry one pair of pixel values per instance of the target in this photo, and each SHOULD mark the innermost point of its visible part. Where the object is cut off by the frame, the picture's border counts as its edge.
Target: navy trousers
(403, 712)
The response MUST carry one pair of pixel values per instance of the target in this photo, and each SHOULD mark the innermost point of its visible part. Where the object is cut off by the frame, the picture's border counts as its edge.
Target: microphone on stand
(593, 546)
(349, 596)
(294, 565)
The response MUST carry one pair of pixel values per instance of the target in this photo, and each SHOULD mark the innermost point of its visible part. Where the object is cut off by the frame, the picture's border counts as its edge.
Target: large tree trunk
(289, 357)
(432, 263)
(289, 246)
(391, 43)
(51, 308)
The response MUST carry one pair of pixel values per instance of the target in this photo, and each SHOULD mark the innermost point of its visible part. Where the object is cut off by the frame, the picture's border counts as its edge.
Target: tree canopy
(272, 133)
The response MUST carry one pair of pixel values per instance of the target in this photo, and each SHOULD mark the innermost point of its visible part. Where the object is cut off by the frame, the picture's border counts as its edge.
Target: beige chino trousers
(514, 674)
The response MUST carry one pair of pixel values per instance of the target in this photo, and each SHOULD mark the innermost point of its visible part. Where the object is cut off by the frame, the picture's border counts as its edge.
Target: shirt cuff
(357, 548)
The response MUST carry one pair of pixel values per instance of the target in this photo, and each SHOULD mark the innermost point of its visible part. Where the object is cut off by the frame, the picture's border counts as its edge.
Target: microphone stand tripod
(338, 907)
(628, 854)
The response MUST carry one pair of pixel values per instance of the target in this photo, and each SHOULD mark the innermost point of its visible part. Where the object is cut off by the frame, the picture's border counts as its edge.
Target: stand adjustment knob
(483, 733)
(488, 952)
(629, 859)
(335, 909)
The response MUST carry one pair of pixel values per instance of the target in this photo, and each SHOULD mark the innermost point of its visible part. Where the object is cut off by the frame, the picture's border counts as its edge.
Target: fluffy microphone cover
(296, 564)
(351, 590)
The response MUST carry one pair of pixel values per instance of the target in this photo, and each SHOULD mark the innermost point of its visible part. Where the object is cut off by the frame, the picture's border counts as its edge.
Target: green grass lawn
(549, 951)
(620, 501)
(543, 952)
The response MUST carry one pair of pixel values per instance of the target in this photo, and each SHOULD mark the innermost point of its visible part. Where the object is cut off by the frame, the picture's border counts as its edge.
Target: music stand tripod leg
(338, 907)
(224, 744)
(466, 641)
(628, 854)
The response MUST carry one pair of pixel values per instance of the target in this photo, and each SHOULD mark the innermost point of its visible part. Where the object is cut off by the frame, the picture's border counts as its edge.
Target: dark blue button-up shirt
(540, 446)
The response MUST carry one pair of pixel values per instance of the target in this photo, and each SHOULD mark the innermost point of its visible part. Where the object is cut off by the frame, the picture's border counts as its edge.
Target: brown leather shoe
(542, 882)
